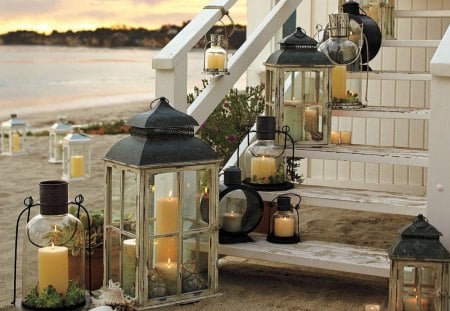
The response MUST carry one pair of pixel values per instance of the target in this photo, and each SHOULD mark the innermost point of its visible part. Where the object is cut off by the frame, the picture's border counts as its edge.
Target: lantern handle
(29, 203)
(162, 98)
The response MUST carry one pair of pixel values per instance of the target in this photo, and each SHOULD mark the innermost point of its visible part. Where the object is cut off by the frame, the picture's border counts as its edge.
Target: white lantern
(13, 134)
(56, 135)
(76, 155)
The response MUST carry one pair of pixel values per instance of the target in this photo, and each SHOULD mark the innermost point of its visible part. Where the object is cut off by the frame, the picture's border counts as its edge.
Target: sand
(244, 284)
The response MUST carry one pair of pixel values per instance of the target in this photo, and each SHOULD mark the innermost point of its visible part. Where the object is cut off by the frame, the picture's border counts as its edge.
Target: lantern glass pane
(116, 196)
(195, 209)
(113, 264)
(195, 262)
(418, 288)
(129, 266)
(130, 203)
(163, 269)
(231, 209)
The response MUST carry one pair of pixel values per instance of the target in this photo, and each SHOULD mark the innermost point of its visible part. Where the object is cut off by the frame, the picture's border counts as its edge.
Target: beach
(244, 284)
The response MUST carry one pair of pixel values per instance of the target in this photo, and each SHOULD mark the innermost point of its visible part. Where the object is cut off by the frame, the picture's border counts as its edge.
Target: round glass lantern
(13, 135)
(76, 155)
(53, 258)
(240, 208)
(284, 222)
(216, 57)
(57, 132)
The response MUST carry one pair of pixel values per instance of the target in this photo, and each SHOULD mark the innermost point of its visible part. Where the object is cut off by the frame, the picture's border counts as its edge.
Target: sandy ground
(244, 284)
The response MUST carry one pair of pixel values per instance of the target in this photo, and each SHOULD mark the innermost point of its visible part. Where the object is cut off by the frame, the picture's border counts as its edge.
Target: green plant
(96, 231)
(49, 298)
(236, 112)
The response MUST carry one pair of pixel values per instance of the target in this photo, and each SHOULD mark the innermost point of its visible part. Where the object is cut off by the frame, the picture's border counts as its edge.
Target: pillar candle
(167, 222)
(410, 303)
(339, 82)
(335, 137)
(311, 120)
(53, 268)
(262, 168)
(129, 266)
(215, 61)
(346, 137)
(232, 222)
(58, 151)
(15, 142)
(372, 307)
(168, 270)
(293, 119)
(77, 166)
(284, 227)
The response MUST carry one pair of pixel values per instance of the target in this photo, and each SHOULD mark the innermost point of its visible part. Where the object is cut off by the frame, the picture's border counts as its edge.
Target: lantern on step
(53, 253)
(158, 246)
(57, 132)
(240, 208)
(13, 134)
(284, 222)
(297, 89)
(419, 277)
(76, 155)
(267, 166)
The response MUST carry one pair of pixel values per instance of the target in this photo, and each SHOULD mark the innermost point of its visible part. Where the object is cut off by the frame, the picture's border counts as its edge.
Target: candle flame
(170, 194)
(169, 263)
(206, 189)
(153, 188)
(53, 245)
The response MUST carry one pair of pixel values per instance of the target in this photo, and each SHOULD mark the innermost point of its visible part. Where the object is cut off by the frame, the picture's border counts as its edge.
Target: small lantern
(381, 11)
(57, 133)
(284, 223)
(53, 253)
(13, 134)
(265, 167)
(419, 279)
(216, 56)
(157, 244)
(76, 155)
(297, 89)
(240, 208)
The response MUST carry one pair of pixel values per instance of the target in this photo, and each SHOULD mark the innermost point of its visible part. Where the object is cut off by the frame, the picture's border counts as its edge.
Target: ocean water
(36, 79)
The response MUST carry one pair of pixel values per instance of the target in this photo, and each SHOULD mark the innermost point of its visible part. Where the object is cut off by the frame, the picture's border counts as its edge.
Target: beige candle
(58, 151)
(168, 270)
(232, 222)
(262, 168)
(339, 82)
(53, 268)
(335, 137)
(15, 142)
(77, 166)
(129, 266)
(372, 307)
(346, 137)
(284, 227)
(215, 61)
(410, 303)
(311, 120)
(167, 222)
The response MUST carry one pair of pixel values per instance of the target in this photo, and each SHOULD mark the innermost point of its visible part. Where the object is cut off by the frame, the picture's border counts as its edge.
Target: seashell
(112, 295)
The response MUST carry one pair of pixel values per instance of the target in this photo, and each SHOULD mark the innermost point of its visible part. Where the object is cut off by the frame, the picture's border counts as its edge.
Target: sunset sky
(63, 15)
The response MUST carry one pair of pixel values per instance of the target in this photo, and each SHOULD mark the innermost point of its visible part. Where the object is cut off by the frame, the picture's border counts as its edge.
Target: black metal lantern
(157, 246)
(265, 165)
(53, 254)
(284, 222)
(419, 277)
(297, 89)
(240, 208)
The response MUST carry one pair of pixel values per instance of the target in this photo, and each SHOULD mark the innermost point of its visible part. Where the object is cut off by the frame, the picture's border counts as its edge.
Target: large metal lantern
(419, 279)
(297, 89)
(57, 133)
(76, 155)
(157, 245)
(13, 132)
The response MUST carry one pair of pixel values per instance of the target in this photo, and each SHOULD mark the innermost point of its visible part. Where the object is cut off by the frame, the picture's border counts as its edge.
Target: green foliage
(49, 298)
(225, 127)
(74, 296)
(96, 233)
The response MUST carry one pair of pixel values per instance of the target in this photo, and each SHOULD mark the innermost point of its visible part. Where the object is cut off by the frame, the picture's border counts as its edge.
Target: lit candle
(53, 268)
(15, 142)
(215, 61)
(77, 166)
(169, 272)
(335, 138)
(129, 266)
(346, 137)
(372, 307)
(262, 168)
(410, 303)
(232, 222)
(284, 227)
(58, 151)
(167, 222)
(311, 120)
(339, 82)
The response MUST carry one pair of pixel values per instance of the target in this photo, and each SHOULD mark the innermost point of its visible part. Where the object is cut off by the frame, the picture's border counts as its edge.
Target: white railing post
(438, 208)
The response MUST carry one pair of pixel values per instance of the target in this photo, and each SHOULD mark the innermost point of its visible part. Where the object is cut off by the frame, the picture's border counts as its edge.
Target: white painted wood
(439, 146)
(315, 254)
(363, 153)
(410, 43)
(420, 13)
(393, 75)
(384, 112)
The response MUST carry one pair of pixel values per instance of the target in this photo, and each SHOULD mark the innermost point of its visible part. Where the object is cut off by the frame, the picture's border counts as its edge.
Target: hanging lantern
(297, 89)
(419, 277)
(76, 155)
(284, 223)
(57, 133)
(216, 56)
(156, 242)
(240, 208)
(13, 134)
(53, 254)
(265, 166)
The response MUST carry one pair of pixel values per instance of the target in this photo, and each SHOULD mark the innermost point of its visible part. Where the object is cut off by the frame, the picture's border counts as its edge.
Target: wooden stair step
(314, 254)
(385, 112)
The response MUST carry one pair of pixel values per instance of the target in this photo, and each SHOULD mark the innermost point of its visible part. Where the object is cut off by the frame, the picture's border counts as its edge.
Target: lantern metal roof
(76, 136)
(14, 121)
(61, 125)
(162, 136)
(419, 241)
(300, 50)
